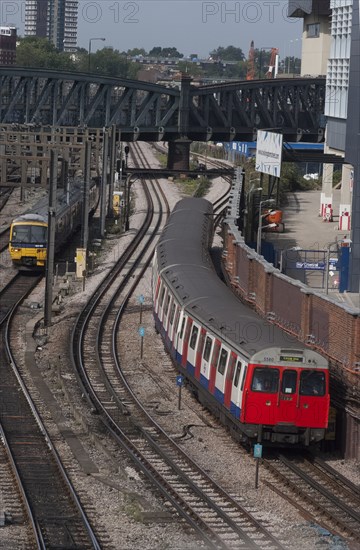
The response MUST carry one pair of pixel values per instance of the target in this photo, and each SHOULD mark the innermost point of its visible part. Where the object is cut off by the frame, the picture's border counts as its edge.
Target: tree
(110, 62)
(230, 53)
(40, 53)
(155, 52)
(158, 51)
(136, 52)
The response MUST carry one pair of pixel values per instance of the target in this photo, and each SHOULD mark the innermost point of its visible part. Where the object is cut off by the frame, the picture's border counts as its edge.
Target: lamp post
(289, 58)
(89, 54)
(258, 240)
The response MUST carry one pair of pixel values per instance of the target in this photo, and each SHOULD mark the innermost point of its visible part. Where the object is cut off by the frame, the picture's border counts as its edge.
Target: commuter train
(28, 232)
(264, 385)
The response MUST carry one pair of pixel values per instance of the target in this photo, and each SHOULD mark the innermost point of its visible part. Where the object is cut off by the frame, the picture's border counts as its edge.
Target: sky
(193, 27)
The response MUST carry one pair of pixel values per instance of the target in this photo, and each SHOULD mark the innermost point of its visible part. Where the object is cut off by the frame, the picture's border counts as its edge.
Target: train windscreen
(29, 234)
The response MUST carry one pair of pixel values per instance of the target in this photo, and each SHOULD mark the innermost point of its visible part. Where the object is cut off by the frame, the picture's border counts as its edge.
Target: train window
(176, 322)
(230, 370)
(21, 234)
(312, 383)
(289, 379)
(34, 234)
(38, 234)
(182, 328)
(167, 305)
(172, 313)
(207, 348)
(194, 336)
(162, 296)
(237, 374)
(222, 361)
(265, 380)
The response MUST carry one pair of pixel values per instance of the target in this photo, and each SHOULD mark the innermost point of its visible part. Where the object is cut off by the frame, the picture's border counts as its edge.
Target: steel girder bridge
(151, 112)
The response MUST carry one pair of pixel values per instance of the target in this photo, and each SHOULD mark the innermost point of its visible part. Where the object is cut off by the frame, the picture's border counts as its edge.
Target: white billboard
(268, 153)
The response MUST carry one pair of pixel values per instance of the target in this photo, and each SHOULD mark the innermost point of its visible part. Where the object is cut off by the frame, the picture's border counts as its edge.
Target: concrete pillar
(184, 107)
(179, 155)
(347, 179)
(326, 199)
(352, 149)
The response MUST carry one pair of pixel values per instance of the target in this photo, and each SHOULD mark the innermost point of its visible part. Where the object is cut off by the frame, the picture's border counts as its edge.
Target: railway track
(4, 239)
(17, 289)
(54, 516)
(319, 492)
(218, 519)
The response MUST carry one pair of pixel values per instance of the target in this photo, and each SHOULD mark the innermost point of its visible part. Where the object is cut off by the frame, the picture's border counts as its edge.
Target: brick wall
(328, 326)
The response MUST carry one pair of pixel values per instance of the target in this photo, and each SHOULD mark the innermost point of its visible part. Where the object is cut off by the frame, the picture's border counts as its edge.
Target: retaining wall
(328, 326)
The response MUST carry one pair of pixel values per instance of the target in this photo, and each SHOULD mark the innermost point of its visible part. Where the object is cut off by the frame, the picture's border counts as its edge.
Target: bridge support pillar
(179, 155)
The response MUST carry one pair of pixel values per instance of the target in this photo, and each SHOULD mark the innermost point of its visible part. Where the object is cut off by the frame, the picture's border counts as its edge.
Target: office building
(7, 45)
(55, 20)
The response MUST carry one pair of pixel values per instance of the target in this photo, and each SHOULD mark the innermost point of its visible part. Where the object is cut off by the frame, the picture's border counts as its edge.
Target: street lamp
(258, 240)
(289, 58)
(89, 55)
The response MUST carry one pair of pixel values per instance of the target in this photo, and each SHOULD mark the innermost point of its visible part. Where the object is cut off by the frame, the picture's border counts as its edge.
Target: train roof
(185, 263)
(30, 218)
(42, 206)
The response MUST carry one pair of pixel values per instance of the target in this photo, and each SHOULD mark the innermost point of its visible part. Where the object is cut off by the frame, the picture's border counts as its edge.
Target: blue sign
(257, 450)
(142, 331)
(179, 380)
(141, 299)
(310, 265)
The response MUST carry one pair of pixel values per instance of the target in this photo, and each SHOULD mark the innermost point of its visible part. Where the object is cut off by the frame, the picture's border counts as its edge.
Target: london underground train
(28, 232)
(264, 385)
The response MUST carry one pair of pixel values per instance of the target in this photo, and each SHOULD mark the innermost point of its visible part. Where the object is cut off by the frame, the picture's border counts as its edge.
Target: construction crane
(273, 63)
(250, 75)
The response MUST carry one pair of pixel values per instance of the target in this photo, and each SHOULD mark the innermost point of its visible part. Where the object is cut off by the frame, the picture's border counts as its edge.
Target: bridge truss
(150, 112)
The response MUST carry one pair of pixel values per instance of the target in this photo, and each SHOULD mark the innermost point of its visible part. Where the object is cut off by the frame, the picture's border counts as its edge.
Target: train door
(228, 379)
(185, 343)
(156, 283)
(237, 388)
(179, 335)
(199, 353)
(262, 394)
(165, 301)
(172, 326)
(287, 410)
(167, 310)
(160, 303)
(213, 365)
(206, 360)
(193, 344)
(222, 364)
(313, 400)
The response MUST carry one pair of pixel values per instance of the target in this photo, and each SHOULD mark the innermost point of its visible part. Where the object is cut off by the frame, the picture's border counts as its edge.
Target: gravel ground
(122, 503)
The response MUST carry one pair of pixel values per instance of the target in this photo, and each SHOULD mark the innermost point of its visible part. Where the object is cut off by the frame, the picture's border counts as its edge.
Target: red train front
(285, 391)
